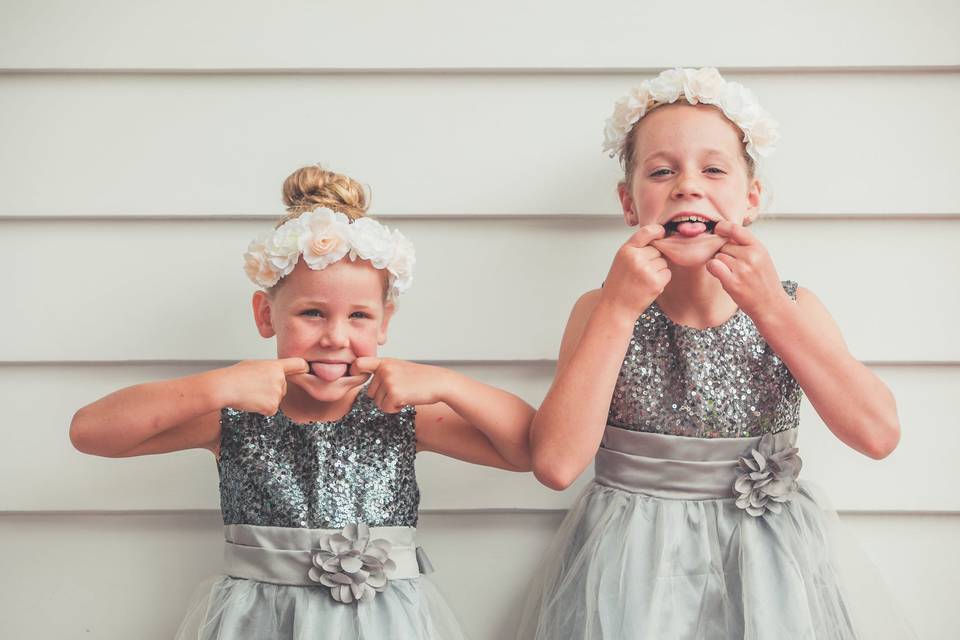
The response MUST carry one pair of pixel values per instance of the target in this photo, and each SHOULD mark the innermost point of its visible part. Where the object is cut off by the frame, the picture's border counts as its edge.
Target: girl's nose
(335, 336)
(686, 186)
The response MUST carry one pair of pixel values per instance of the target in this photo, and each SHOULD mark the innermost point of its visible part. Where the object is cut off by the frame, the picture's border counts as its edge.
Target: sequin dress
(696, 526)
(296, 498)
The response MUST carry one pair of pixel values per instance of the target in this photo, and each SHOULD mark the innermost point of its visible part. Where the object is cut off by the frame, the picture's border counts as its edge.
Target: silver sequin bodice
(718, 382)
(281, 473)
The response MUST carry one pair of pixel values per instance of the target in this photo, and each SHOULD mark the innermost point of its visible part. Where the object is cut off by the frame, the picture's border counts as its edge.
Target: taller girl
(682, 376)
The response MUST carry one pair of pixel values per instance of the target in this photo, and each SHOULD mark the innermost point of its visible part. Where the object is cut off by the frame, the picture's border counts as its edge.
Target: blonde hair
(312, 187)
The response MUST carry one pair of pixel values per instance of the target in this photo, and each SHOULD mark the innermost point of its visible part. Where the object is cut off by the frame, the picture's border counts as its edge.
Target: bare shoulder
(582, 310)
(815, 311)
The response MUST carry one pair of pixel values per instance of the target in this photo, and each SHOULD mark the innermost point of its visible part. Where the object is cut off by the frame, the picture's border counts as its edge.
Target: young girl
(316, 466)
(681, 378)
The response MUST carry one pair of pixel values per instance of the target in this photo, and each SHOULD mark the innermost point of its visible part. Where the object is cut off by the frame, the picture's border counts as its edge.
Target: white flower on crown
(323, 237)
(323, 240)
(371, 241)
(702, 85)
(401, 266)
(283, 247)
(257, 265)
(667, 86)
(696, 86)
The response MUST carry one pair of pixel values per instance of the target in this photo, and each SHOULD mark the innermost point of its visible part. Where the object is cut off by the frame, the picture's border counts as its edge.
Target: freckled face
(329, 318)
(689, 173)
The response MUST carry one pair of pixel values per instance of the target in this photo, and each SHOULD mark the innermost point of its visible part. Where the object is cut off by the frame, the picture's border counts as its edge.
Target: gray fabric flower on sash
(766, 478)
(353, 566)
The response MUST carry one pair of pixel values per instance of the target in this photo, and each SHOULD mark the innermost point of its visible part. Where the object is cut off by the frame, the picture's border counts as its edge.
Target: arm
(155, 417)
(853, 402)
(178, 414)
(456, 415)
(569, 425)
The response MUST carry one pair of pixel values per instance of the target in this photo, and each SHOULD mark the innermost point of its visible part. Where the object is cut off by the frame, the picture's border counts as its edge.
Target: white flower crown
(323, 237)
(705, 86)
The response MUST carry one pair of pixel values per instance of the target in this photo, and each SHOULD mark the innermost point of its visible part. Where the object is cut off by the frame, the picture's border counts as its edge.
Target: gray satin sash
(282, 555)
(675, 467)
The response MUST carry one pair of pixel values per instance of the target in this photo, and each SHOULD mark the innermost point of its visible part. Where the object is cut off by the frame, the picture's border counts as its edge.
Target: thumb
(364, 364)
(293, 366)
(718, 270)
(646, 234)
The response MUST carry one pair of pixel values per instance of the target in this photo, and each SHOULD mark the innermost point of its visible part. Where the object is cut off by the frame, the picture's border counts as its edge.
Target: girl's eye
(659, 173)
(359, 314)
(716, 170)
(313, 313)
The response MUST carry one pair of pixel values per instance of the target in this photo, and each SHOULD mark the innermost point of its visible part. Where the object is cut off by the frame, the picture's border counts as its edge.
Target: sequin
(360, 468)
(718, 382)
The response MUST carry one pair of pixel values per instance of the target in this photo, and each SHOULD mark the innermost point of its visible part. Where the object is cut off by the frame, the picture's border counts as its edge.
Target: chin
(323, 391)
(695, 254)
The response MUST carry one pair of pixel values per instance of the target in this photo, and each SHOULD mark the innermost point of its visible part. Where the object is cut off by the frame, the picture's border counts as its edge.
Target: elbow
(551, 474)
(884, 442)
(84, 438)
(80, 436)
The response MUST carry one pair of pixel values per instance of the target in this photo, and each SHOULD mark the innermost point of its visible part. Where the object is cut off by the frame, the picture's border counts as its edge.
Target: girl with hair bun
(315, 449)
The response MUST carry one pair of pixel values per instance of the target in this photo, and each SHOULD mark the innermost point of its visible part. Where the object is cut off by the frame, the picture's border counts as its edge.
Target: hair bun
(311, 187)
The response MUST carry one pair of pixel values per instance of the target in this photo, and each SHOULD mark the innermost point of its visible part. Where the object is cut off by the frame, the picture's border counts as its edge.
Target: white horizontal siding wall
(143, 144)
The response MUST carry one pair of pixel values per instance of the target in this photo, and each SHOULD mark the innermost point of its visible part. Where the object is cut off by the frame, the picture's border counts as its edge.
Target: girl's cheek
(365, 345)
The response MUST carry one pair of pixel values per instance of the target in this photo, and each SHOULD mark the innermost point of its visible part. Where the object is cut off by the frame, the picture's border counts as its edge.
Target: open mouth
(689, 226)
(330, 371)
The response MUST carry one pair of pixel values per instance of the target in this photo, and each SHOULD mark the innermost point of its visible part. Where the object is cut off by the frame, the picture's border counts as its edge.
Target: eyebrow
(668, 154)
(323, 303)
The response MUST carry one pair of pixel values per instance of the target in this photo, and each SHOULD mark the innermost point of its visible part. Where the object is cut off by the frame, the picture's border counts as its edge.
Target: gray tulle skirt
(661, 545)
(261, 603)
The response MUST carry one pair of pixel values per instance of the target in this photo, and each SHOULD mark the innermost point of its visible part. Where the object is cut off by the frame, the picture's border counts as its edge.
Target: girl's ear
(261, 314)
(754, 197)
(626, 202)
(388, 310)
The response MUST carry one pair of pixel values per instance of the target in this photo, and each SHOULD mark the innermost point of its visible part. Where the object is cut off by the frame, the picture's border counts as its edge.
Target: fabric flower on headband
(323, 237)
(696, 86)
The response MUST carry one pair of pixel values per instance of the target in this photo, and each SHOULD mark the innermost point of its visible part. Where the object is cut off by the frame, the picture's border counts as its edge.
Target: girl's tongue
(691, 229)
(328, 371)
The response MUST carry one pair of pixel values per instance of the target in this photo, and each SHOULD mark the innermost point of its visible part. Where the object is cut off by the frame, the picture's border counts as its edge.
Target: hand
(746, 271)
(397, 383)
(258, 386)
(638, 274)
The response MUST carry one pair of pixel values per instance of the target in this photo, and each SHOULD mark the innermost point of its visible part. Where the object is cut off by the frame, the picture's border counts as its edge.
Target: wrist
(212, 389)
(776, 315)
(446, 384)
(616, 315)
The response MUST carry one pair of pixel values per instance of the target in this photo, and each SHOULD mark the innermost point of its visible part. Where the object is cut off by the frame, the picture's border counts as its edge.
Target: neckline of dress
(685, 327)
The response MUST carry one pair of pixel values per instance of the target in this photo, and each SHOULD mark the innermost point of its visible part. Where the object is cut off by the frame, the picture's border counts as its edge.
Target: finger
(380, 397)
(719, 270)
(293, 366)
(364, 364)
(659, 264)
(374, 387)
(391, 404)
(734, 232)
(728, 260)
(646, 234)
(735, 250)
(648, 252)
